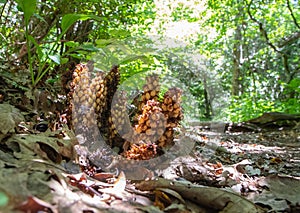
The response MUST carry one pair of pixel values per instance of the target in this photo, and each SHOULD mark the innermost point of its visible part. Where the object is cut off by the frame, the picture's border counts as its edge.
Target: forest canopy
(236, 59)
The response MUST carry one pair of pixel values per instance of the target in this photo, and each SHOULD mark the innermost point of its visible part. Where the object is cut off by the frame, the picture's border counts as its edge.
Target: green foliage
(255, 47)
(239, 53)
(128, 52)
(245, 108)
(52, 57)
(60, 33)
(292, 104)
(182, 12)
(293, 87)
(28, 7)
(44, 56)
(3, 199)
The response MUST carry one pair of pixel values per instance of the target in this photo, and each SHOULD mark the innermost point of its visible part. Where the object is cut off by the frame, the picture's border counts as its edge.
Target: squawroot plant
(149, 134)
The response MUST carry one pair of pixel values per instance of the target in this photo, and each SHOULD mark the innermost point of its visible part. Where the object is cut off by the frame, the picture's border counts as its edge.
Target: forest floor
(237, 172)
(211, 168)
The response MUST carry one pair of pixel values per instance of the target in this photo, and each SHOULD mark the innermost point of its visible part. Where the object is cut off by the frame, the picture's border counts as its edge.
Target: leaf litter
(225, 172)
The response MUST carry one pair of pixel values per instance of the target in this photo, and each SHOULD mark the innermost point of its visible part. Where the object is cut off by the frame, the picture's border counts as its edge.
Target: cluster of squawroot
(150, 129)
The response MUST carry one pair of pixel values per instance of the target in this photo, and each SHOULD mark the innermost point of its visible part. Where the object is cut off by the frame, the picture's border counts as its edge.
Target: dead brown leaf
(10, 117)
(33, 204)
(209, 197)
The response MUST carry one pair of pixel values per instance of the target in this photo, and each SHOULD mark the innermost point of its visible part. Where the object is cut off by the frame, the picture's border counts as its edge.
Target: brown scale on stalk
(111, 82)
(171, 108)
(152, 124)
(119, 121)
(141, 151)
(98, 95)
(79, 69)
(80, 99)
(150, 92)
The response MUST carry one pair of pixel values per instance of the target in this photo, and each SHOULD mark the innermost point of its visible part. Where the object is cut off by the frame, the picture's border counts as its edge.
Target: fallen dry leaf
(33, 204)
(209, 197)
(282, 192)
(10, 117)
(118, 189)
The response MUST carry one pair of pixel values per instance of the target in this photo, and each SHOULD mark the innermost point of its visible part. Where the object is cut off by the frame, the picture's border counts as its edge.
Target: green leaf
(76, 55)
(37, 46)
(122, 48)
(55, 58)
(131, 58)
(3, 1)
(89, 47)
(71, 44)
(53, 80)
(104, 42)
(28, 7)
(41, 18)
(64, 60)
(69, 19)
(119, 33)
(3, 199)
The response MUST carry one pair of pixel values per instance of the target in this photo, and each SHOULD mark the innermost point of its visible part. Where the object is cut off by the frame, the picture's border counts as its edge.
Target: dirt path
(262, 167)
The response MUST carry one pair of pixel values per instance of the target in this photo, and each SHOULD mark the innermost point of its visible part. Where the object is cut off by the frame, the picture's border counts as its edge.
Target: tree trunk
(237, 54)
